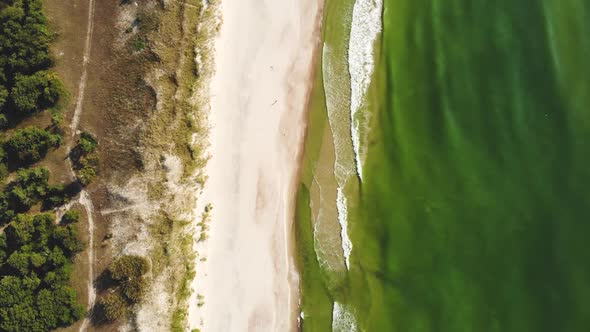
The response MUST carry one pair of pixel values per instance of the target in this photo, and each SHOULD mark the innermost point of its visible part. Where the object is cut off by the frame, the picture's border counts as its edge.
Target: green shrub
(134, 289)
(139, 45)
(30, 145)
(85, 158)
(59, 195)
(56, 196)
(3, 171)
(70, 217)
(57, 119)
(87, 143)
(178, 321)
(6, 211)
(128, 267)
(86, 175)
(128, 272)
(33, 93)
(3, 96)
(29, 188)
(3, 248)
(113, 306)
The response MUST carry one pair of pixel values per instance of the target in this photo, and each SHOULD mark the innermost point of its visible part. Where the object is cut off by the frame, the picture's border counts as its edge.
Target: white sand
(259, 96)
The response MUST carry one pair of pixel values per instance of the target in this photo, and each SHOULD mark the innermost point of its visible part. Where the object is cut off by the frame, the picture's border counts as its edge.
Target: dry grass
(159, 118)
(147, 103)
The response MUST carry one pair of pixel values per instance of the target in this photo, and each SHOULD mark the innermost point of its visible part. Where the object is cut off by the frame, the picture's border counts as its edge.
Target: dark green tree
(28, 189)
(37, 271)
(67, 236)
(24, 42)
(58, 307)
(35, 252)
(85, 158)
(36, 92)
(70, 217)
(6, 211)
(30, 145)
(3, 249)
(3, 95)
(87, 143)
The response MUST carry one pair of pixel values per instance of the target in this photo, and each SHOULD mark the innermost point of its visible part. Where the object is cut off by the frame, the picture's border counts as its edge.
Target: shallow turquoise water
(475, 210)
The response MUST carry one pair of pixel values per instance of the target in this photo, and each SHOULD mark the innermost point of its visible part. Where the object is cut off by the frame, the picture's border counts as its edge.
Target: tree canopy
(33, 93)
(35, 253)
(35, 268)
(27, 86)
(24, 42)
(30, 145)
(28, 189)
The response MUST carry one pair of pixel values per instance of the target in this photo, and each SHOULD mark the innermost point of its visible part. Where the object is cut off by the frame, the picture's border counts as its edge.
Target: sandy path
(84, 198)
(259, 95)
(83, 79)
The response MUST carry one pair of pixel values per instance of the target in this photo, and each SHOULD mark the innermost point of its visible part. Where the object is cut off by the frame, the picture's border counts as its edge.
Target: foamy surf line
(366, 25)
(342, 168)
(341, 206)
(342, 319)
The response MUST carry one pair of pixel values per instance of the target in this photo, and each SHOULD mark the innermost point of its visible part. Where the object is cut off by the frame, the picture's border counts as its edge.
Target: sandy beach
(264, 60)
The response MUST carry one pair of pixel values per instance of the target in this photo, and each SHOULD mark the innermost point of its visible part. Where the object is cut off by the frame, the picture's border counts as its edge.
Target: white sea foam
(326, 242)
(366, 25)
(336, 102)
(342, 319)
(343, 220)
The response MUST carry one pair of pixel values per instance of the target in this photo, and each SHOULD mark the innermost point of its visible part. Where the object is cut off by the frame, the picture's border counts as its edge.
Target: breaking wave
(366, 25)
(342, 319)
(343, 220)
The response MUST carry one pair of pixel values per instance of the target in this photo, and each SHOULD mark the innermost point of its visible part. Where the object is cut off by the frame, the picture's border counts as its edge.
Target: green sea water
(474, 210)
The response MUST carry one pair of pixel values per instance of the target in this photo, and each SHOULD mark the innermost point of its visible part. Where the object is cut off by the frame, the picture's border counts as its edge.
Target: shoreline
(246, 271)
